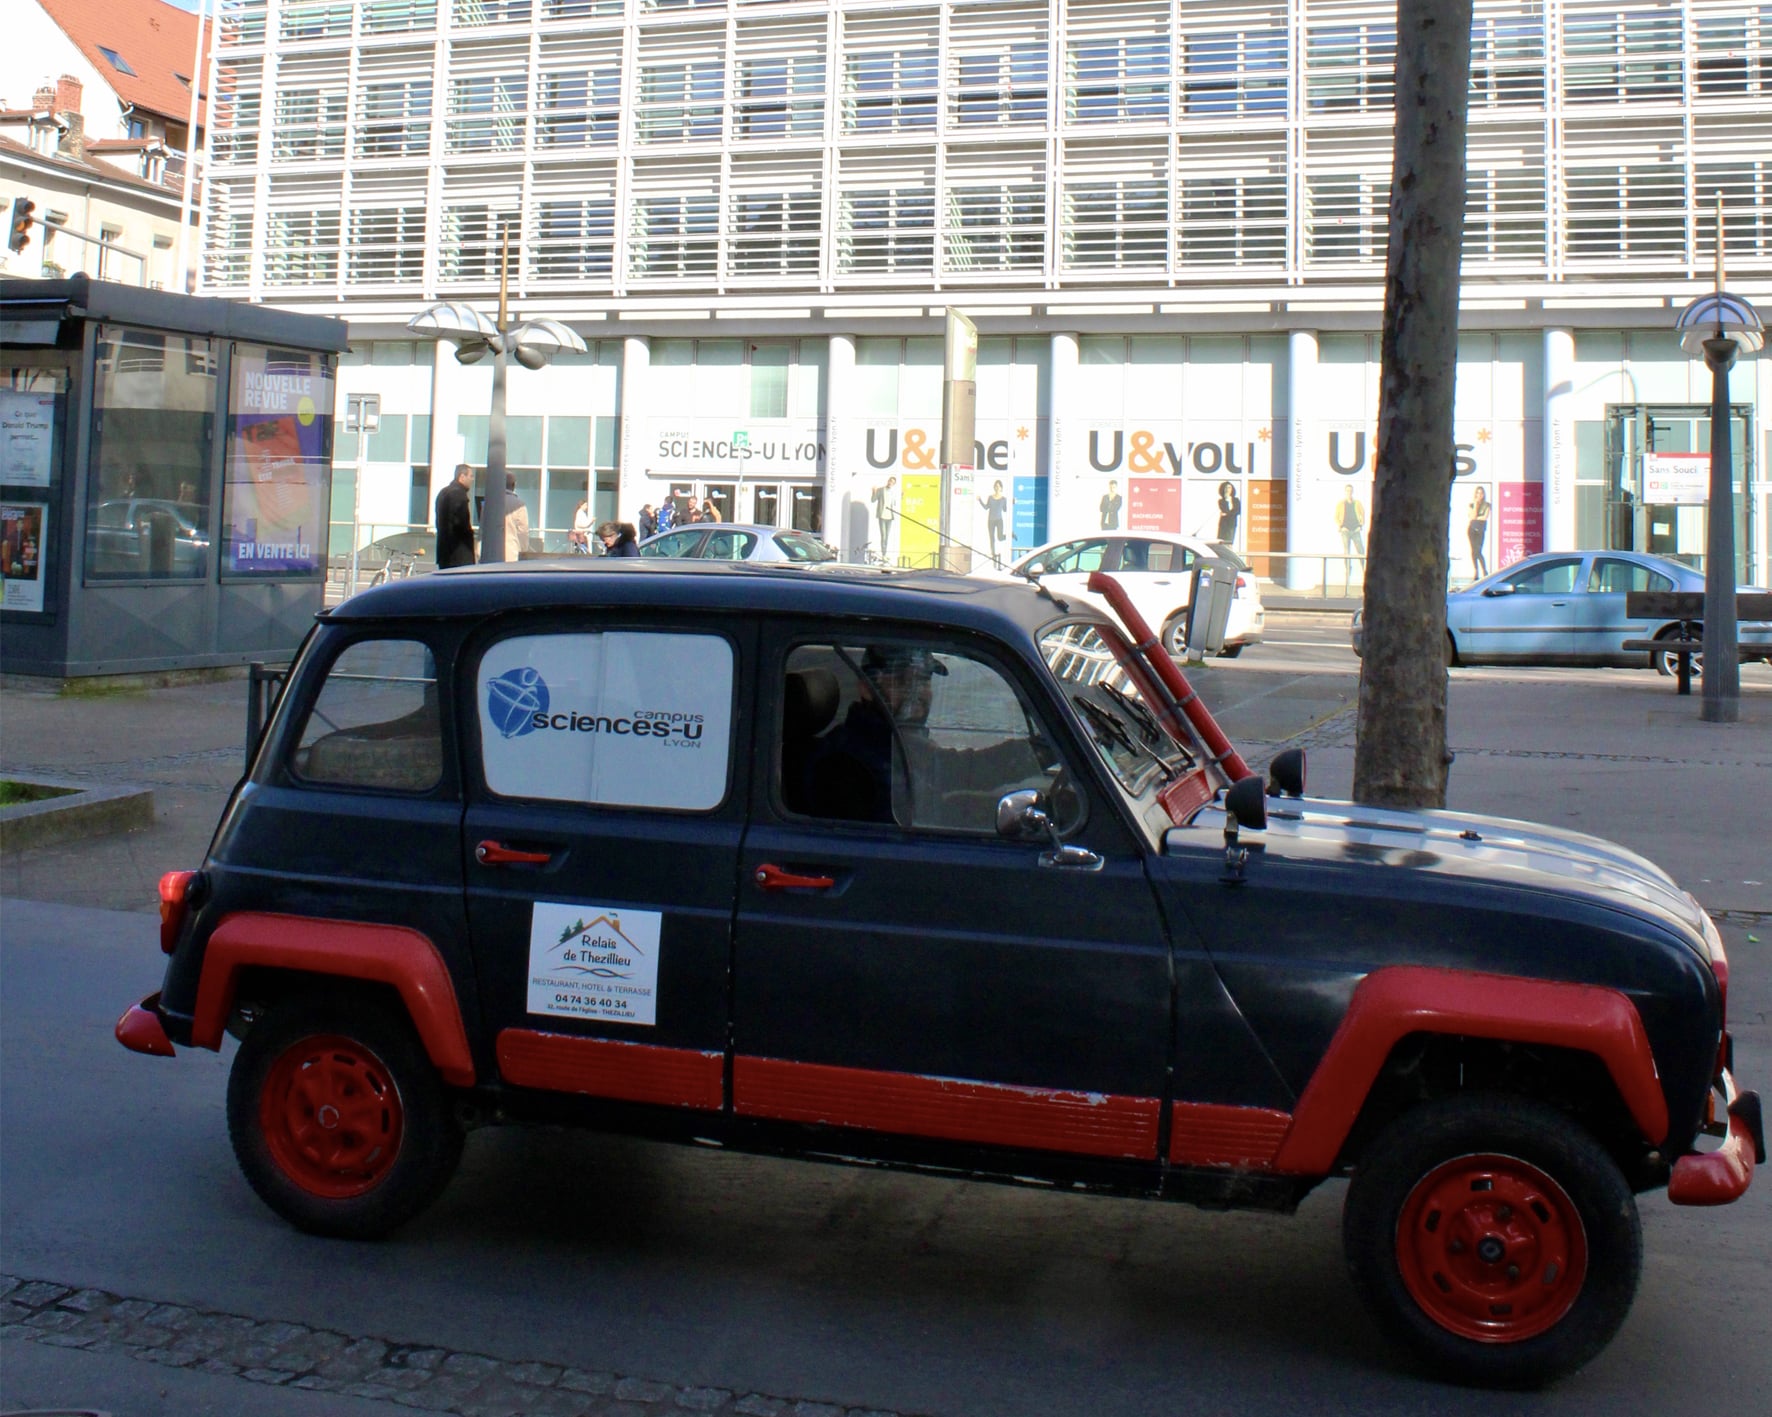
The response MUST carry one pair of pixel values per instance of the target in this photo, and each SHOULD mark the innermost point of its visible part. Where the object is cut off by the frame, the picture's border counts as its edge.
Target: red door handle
(773, 878)
(493, 853)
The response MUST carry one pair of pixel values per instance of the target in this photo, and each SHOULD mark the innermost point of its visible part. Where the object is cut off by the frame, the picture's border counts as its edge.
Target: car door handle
(495, 853)
(774, 878)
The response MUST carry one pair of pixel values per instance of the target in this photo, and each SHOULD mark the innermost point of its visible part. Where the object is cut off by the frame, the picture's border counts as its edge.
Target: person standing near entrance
(885, 499)
(455, 523)
(1477, 529)
(516, 521)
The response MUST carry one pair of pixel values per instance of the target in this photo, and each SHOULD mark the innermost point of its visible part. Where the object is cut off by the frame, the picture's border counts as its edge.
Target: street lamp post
(532, 343)
(1719, 326)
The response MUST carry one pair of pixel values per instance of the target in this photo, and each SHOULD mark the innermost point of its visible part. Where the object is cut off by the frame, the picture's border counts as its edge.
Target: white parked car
(737, 541)
(1157, 569)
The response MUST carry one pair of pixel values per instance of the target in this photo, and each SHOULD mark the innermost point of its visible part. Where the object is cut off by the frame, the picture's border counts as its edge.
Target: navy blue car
(932, 872)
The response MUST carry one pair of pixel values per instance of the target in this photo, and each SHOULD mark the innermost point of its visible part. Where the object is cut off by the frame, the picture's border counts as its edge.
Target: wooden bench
(1687, 607)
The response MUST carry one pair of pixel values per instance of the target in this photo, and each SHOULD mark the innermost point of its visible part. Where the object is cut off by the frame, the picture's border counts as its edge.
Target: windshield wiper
(1105, 723)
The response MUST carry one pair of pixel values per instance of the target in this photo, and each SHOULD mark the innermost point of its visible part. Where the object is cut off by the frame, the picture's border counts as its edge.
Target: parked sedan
(737, 541)
(1157, 570)
(1567, 608)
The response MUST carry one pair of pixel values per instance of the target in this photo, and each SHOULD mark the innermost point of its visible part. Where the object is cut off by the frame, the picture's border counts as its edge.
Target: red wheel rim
(331, 1116)
(1491, 1248)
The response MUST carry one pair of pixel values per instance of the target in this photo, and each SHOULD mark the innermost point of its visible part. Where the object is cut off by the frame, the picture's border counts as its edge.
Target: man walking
(455, 523)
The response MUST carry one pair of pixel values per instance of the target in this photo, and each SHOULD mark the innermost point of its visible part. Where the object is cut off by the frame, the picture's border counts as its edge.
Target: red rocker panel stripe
(994, 1114)
(1210, 1134)
(625, 1072)
(384, 954)
(1392, 1003)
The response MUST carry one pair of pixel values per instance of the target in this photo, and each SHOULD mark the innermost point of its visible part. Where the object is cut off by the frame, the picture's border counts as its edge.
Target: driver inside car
(883, 763)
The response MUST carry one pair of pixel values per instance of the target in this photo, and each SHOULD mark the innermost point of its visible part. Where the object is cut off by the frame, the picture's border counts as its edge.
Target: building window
(471, 245)
(310, 125)
(1116, 224)
(394, 118)
(1348, 217)
(110, 259)
(390, 16)
(775, 233)
(676, 236)
(1507, 61)
(575, 237)
(996, 228)
(1633, 212)
(1118, 80)
(302, 247)
(315, 19)
(1350, 68)
(680, 102)
(468, 13)
(1233, 221)
(579, 108)
(890, 90)
(1004, 85)
(487, 113)
(1233, 72)
(1612, 55)
(387, 244)
(116, 61)
(887, 230)
(780, 96)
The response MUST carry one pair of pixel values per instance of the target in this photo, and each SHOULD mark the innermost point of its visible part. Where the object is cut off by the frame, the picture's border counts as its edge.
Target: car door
(1159, 577)
(1533, 614)
(1604, 623)
(676, 543)
(901, 971)
(600, 844)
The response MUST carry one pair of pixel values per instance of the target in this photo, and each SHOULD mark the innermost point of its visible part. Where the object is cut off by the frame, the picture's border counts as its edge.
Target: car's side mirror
(1245, 805)
(1499, 590)
(1022, 816)
(1285, 774)
(1034, 568)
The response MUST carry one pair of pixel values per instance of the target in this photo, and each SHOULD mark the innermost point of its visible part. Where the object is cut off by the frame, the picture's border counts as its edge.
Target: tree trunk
(1401, 757)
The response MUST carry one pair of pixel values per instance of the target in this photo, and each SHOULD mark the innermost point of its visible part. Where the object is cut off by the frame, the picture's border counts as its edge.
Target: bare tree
(1401, 758)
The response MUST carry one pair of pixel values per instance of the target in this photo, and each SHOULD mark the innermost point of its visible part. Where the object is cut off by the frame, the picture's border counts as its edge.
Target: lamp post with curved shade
(1718, 327)
(532, 343)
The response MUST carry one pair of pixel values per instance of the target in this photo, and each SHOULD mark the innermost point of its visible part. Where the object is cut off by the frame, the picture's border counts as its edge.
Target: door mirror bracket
(1022, 816)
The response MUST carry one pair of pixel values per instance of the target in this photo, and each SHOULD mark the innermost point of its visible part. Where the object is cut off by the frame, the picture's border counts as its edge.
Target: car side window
(895, 734)
(1553, 578)
(1162, 556)
(374, 723)
(1612, 576)
(728, 545)
(630, 718)
(1078, 557)
(679, 543)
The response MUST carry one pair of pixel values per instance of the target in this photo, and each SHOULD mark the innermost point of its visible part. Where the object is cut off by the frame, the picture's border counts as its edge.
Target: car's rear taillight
(178, 891)
(1242, 583)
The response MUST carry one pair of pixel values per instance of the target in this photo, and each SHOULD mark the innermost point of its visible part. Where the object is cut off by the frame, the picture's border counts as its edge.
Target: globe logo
(513, 699)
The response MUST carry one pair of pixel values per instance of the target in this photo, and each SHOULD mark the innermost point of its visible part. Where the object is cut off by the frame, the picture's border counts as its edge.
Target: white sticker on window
(629, 718)
(594, 961)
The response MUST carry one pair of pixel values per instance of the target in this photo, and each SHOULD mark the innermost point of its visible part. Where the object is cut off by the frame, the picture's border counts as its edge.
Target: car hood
(1499, 851)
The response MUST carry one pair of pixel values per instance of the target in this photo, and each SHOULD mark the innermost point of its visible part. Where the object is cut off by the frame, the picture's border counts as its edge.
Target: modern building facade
(1166, 217)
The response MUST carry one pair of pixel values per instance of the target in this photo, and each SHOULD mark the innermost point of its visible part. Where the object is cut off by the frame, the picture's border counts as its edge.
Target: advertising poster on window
(22, 529)
(1156, 504)
(626, 719)
(279, 447)
(27, 438)
(1520, 531)
(1028, 514)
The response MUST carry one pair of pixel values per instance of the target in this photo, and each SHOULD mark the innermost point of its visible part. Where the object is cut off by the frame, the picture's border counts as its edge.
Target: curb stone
(280, 1354)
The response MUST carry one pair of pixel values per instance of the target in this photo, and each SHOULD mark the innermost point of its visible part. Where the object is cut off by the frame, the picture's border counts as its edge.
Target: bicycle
(398, 567)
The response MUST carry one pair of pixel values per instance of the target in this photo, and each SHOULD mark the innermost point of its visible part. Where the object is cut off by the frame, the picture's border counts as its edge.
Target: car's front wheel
(338, 1119)
(1494, 1238)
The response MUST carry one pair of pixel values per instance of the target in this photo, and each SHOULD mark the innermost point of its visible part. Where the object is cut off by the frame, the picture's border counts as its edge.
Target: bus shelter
(165, 470)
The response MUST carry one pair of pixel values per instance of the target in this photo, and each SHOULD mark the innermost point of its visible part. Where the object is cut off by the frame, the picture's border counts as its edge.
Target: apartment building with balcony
(1166, 217)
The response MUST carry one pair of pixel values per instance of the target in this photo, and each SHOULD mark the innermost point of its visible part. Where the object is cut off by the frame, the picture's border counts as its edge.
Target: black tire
(1534, 1192)
(1669, 664)
(1174, 635)
(1230, 651)
(391, 1143)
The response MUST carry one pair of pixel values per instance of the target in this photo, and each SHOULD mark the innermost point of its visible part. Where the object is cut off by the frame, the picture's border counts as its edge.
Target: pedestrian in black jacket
(455, 522)
(618, 539)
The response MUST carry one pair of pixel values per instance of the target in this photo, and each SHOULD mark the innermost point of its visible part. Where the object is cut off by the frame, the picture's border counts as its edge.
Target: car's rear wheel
(1493, 1238)
(1666, 662)
(338, 1119)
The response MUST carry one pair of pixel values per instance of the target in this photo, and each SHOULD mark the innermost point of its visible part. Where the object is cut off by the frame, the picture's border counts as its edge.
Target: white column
(1301, 379)
(1559, 440)
(845, 505)
(633, 487)
(1065, 491)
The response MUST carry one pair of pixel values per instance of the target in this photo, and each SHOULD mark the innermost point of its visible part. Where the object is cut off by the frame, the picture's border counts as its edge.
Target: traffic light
(19, 234)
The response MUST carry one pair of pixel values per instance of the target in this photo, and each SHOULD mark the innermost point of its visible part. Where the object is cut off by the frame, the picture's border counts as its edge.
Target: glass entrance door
(1658, 492)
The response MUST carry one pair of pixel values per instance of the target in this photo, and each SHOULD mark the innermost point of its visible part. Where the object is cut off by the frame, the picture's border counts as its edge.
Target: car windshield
(1112, 709)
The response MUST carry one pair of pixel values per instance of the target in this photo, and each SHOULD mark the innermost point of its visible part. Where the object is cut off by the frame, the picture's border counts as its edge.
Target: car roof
(761, 528)
(835, 588)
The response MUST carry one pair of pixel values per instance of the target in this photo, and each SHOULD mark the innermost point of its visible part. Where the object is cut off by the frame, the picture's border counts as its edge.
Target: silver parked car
(737, 541)
(1567, 608)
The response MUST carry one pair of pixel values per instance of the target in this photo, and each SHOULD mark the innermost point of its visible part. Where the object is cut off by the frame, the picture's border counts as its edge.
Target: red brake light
(175, 889)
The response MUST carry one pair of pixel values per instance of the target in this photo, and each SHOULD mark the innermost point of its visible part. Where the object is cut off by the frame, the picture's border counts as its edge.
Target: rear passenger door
(1607, 626)
(600, 846)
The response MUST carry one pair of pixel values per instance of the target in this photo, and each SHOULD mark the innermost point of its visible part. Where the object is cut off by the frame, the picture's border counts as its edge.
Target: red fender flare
(1391, 1003)
(383, 954)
